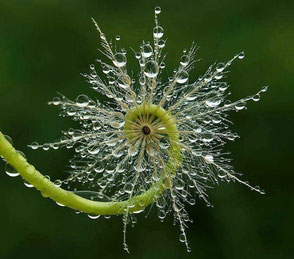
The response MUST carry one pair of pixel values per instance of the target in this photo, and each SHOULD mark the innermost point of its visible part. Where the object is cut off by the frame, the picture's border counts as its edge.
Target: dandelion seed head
(123, 145)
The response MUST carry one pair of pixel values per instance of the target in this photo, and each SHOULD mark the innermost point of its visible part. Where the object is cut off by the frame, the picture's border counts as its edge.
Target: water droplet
(157, 10)
(212, 103)
(46, 147)
(207, 138)
(77, 134)
(223, 86)
(184, 61)
(164, 144)
(161, 214)
(133, 150)
(94, 74)
(179, 184)
(264, 89)
(117, 152)
(71, 111)
(82, 100)
(120, 60)
(60, 204)
(182, 238)
(27, 184)
(139, 168)
(191, 97)
(117, 121)
(209, 158)
(99, 169)
(158, 32)
(123, 84)
(57, 183)
(216, 120)
(218, 76)
(93, 150)
(126, 248)
(138, 55)
(256, 97)
(111, 143)
(138, 211)
(240, 106)
(161, 44)
(102, 36)
(56, 101)
(182, 77)
(91, 177)
(227, 103)
(10, 171)
(241, 55)
(150, 150)
(146, 50)
(93, 216)
(198, 130)
(220, 67)
(192, 201)
(207, 78)
(123, 51)
(34, 145)
(105, 70)
(111, 80)
(128, 188)
(151, 69)
(117, 37)
(142, 80)
(55, 146)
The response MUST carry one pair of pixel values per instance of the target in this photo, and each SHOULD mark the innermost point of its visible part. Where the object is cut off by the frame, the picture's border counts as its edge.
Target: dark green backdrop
(44, 45)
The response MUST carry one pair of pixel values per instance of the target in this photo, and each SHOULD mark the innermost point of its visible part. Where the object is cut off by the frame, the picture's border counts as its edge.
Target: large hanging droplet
(10, 171)
(151, 69)
(120, 60)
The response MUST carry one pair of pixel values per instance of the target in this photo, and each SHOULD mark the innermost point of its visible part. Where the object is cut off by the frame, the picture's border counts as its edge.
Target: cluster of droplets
(114, 164)
(12, 172)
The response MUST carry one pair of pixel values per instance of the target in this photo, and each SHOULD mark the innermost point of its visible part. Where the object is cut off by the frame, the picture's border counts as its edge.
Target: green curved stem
(71, 200)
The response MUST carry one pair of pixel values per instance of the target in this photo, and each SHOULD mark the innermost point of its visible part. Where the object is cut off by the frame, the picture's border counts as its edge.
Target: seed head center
(146, 130)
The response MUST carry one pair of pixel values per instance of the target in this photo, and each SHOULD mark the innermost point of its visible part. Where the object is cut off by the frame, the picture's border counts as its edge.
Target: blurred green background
(45, 45)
